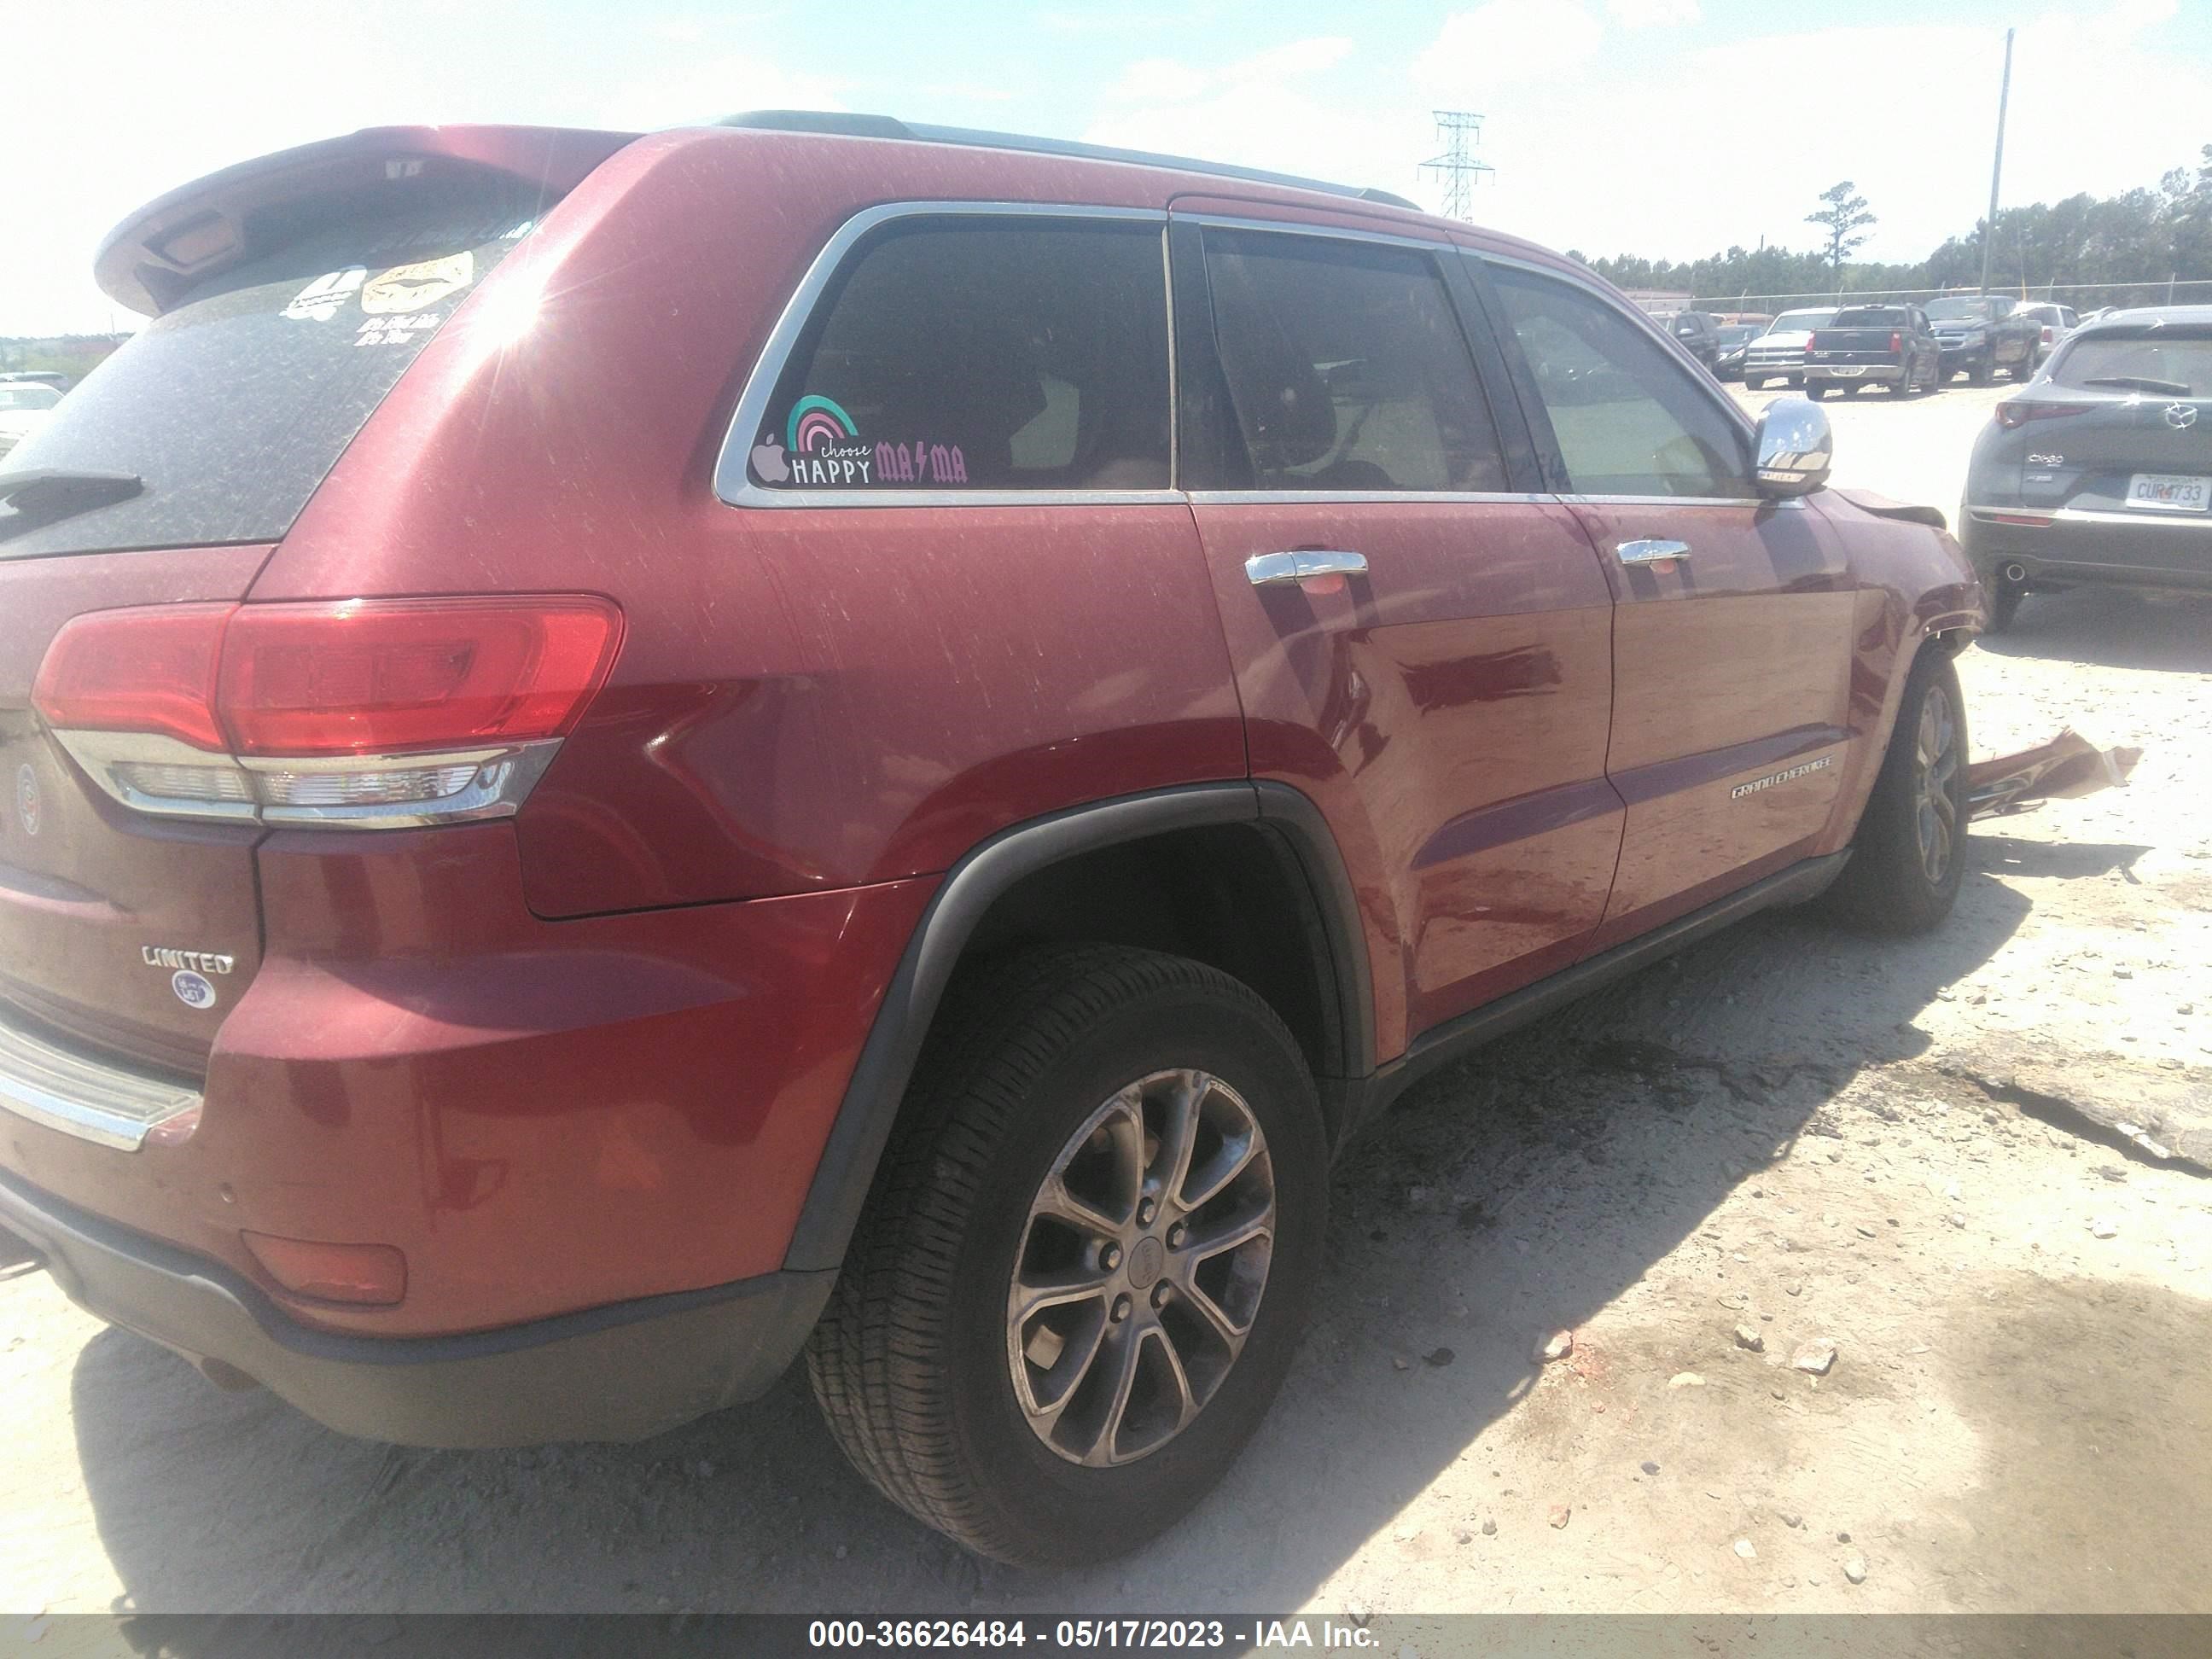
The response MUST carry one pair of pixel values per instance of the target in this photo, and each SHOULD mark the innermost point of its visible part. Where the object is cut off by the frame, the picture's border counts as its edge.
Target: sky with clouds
(1670, 128)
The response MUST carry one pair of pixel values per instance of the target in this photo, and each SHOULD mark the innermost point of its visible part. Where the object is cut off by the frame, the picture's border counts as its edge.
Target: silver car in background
(2059, 321)
(1779, 353)
(24, 405)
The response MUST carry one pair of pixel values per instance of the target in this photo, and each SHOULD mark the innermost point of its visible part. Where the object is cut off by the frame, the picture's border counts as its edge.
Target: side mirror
(1795, 447)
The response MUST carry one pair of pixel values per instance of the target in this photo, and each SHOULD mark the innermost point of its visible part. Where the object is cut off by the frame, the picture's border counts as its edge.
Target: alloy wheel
(1935, 764)
(1143, 1259)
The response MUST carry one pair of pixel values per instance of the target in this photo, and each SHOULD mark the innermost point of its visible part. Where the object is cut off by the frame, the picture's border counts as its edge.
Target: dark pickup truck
(1982, 333)
(1881, 346)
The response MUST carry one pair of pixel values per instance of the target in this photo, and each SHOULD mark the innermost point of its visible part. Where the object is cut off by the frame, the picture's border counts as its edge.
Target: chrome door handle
(1651, 552)
(1266, 570)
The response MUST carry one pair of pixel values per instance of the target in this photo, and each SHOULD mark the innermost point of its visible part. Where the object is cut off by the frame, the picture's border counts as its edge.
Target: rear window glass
(1871, 317)
(231, 406)
(2166, 361)
(1796, 322)
(1953, 310)
(989, 354)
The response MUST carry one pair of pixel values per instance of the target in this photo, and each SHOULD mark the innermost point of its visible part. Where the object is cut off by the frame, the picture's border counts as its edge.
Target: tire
(1888, 886)
(1027, 1077)
(1816, 390)
(1981, 372)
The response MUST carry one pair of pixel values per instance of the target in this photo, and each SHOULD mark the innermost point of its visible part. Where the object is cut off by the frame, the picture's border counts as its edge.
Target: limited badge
(411, 287)
(194, 990)
(27, 799)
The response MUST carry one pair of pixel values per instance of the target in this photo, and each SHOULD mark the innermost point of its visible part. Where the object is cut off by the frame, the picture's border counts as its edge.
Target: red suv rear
(629, 756)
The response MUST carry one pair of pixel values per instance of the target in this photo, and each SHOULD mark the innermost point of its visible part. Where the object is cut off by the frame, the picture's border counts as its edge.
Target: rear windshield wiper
(48, 488)
(2132, 382)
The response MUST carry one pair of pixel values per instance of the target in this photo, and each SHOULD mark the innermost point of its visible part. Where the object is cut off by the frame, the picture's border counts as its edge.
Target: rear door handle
(1267, 569)
(1651, 552)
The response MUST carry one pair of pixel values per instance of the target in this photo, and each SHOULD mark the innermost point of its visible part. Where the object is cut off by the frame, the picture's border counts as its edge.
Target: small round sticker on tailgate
(192, 989)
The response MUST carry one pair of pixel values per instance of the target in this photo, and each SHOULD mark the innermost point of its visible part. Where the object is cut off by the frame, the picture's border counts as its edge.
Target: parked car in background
(1873, 345)
(24, 407)
(2101, 471)
(1696, 333)
(1735, 339)
(2056, 322)
(1984, 334)
(1779, 353)
(920, 862)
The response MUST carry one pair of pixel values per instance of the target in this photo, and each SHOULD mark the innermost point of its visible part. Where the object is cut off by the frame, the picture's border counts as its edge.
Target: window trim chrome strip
(1365, 497)
(733, 480)
(1301, 228)
(1575, 498)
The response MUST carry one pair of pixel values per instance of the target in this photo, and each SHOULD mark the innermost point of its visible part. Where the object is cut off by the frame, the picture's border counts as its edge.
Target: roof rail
(837, 123)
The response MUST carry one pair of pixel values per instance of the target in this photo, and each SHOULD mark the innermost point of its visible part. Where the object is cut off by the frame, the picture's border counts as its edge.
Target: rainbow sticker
(818, 426)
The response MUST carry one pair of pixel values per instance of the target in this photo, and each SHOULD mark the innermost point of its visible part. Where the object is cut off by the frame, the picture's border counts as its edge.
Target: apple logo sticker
(769, 465)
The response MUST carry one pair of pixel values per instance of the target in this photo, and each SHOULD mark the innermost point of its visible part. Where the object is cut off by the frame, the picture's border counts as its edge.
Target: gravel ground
(1783, 1139)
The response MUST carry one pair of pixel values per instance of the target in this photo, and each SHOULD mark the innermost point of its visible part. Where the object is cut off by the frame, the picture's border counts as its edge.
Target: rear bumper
(2103, 549)
(539, 1118)
(1853, 373)
(1793, 369)
(619, 1372)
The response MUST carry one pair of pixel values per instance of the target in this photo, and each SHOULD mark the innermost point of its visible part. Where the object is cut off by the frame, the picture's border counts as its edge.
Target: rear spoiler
(151, 259)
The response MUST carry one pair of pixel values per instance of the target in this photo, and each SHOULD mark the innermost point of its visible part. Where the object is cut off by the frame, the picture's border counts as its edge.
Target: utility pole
(1996, 167)
(1459, 130)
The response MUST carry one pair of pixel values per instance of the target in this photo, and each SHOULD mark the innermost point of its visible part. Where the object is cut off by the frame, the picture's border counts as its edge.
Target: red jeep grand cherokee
(627, 756)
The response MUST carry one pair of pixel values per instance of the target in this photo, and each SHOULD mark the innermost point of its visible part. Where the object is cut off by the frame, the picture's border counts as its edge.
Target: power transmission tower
(1460, 130)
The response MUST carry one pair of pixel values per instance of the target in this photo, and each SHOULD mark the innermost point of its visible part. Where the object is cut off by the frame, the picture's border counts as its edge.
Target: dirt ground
(1811, 1136)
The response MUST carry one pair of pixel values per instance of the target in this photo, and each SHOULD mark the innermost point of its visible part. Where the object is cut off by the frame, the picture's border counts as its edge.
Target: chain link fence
(2084, 297)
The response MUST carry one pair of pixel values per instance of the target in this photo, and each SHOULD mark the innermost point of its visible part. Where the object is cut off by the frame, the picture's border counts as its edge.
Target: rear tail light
(2017, 411)
(390, 711)
(2046, 334)
(1811, 341)
(1896, 342)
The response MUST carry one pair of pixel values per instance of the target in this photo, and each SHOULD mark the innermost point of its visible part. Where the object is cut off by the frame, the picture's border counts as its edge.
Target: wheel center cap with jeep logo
(1148, 1260)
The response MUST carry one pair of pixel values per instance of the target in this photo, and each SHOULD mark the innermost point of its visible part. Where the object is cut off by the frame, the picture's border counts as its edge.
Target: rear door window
(1346, 367)
(1628, 418)
(979, 354)
(231, 407)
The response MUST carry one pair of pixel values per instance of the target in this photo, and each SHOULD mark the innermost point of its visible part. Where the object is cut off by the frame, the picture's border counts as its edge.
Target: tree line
(2141, 235)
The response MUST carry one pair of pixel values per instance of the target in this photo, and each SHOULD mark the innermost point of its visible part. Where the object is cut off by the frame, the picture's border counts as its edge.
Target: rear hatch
(1857, 337)
(290, 296)
(2123, 423)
